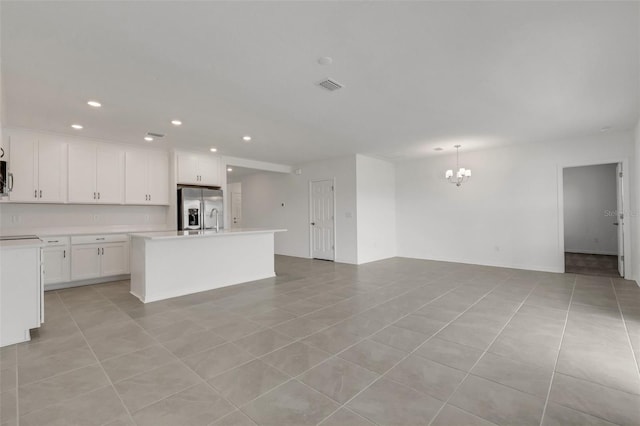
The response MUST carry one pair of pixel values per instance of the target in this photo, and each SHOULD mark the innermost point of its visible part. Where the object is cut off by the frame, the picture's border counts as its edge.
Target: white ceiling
(417, 74)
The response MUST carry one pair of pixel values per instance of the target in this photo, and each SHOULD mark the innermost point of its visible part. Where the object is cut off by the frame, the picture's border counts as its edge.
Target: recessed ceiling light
(213, 149)
(229, 169)
(176, 122)
(325, 60)
(94, 104)
(148, 138)
(605, 129)
(437, 149)
(76, 126)
(246, 138)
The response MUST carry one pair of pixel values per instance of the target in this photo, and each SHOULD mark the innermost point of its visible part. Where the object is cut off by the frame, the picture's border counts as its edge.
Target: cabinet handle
(64, 254)
(10, 182)
(98, 195)
(99, 239)
(98, 251)
(149, 197)
(41, 193)
(35, 193)
(94, 195)
(102, 251)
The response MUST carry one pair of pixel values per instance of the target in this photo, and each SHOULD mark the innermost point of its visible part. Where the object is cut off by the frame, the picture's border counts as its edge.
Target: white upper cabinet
(158, 175)
(146, 177)
(110, 174)
(39, 170)
(198, 169)
(96, 173)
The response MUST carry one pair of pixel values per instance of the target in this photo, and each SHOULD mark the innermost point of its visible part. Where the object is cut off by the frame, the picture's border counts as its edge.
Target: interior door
(621, 218)
(322, 220)
(236, 209)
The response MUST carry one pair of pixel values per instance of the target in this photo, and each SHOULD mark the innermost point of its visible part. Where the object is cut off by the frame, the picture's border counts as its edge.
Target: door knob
(616, 223)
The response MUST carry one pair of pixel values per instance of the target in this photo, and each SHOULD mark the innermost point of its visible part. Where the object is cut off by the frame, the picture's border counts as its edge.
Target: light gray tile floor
(399, 341)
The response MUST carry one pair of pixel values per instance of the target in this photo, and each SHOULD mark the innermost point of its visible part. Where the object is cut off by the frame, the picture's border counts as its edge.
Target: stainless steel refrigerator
(200, 208)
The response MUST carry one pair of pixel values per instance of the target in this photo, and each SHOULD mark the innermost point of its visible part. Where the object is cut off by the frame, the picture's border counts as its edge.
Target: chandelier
(462, 175)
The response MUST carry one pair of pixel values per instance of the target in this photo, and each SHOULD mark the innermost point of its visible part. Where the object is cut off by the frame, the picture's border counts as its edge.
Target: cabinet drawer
(97, 239)
(55, 241)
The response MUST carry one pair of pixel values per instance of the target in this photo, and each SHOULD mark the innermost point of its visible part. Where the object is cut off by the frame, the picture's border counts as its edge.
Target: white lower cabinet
(56, 259)
(20, 292)
(95, 256)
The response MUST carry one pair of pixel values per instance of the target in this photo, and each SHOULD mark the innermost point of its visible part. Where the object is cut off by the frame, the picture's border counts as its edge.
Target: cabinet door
(85, 261)
(23, 165)
(158, 177)
(56, 264)
(114, 259)
(209, 170)
(188, 169)
(110, 174)
(135, 176)
(82, 173)
(52, 171)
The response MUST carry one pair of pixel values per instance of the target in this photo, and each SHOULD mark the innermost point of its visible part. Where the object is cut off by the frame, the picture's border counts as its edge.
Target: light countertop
(163, 235)
(20, 244)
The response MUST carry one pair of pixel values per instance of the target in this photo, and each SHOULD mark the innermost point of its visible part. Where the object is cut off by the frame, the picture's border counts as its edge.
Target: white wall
(508, 214)
(589, 194)
(264, 193)
(376, 202)
(48, 219)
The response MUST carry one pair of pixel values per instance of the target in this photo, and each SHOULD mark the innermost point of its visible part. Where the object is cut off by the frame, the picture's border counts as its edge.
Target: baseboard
(101, 280)
(566, 250)
(540, 268)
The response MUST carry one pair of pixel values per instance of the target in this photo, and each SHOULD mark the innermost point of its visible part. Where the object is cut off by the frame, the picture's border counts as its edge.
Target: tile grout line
(626, 329)
(468, 373)
(555, 365)
(332, 355)
(99, 363)
(343, 405)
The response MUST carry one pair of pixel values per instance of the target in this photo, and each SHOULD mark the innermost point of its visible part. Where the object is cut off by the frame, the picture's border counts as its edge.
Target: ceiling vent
(155, 135)
(330, 85)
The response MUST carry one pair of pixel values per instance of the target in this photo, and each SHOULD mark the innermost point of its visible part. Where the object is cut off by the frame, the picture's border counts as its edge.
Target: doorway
(593, 203)
(322, 219)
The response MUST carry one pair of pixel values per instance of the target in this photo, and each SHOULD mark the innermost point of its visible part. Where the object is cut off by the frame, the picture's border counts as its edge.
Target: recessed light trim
(605, 128)
(246, 138)
(77, 126)
(148, 138)
(437, 149)
(176, 122)
(229, 169)
(94, 104)
(213, 149)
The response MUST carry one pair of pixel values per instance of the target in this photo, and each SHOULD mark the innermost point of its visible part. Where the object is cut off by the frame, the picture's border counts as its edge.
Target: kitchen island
(175, 263)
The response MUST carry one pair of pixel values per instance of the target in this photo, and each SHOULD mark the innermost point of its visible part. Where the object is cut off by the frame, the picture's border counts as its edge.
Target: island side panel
(137, 263)
(180, 266)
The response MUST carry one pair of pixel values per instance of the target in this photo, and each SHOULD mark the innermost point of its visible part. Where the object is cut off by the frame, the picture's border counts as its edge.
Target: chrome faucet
(217, 220)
